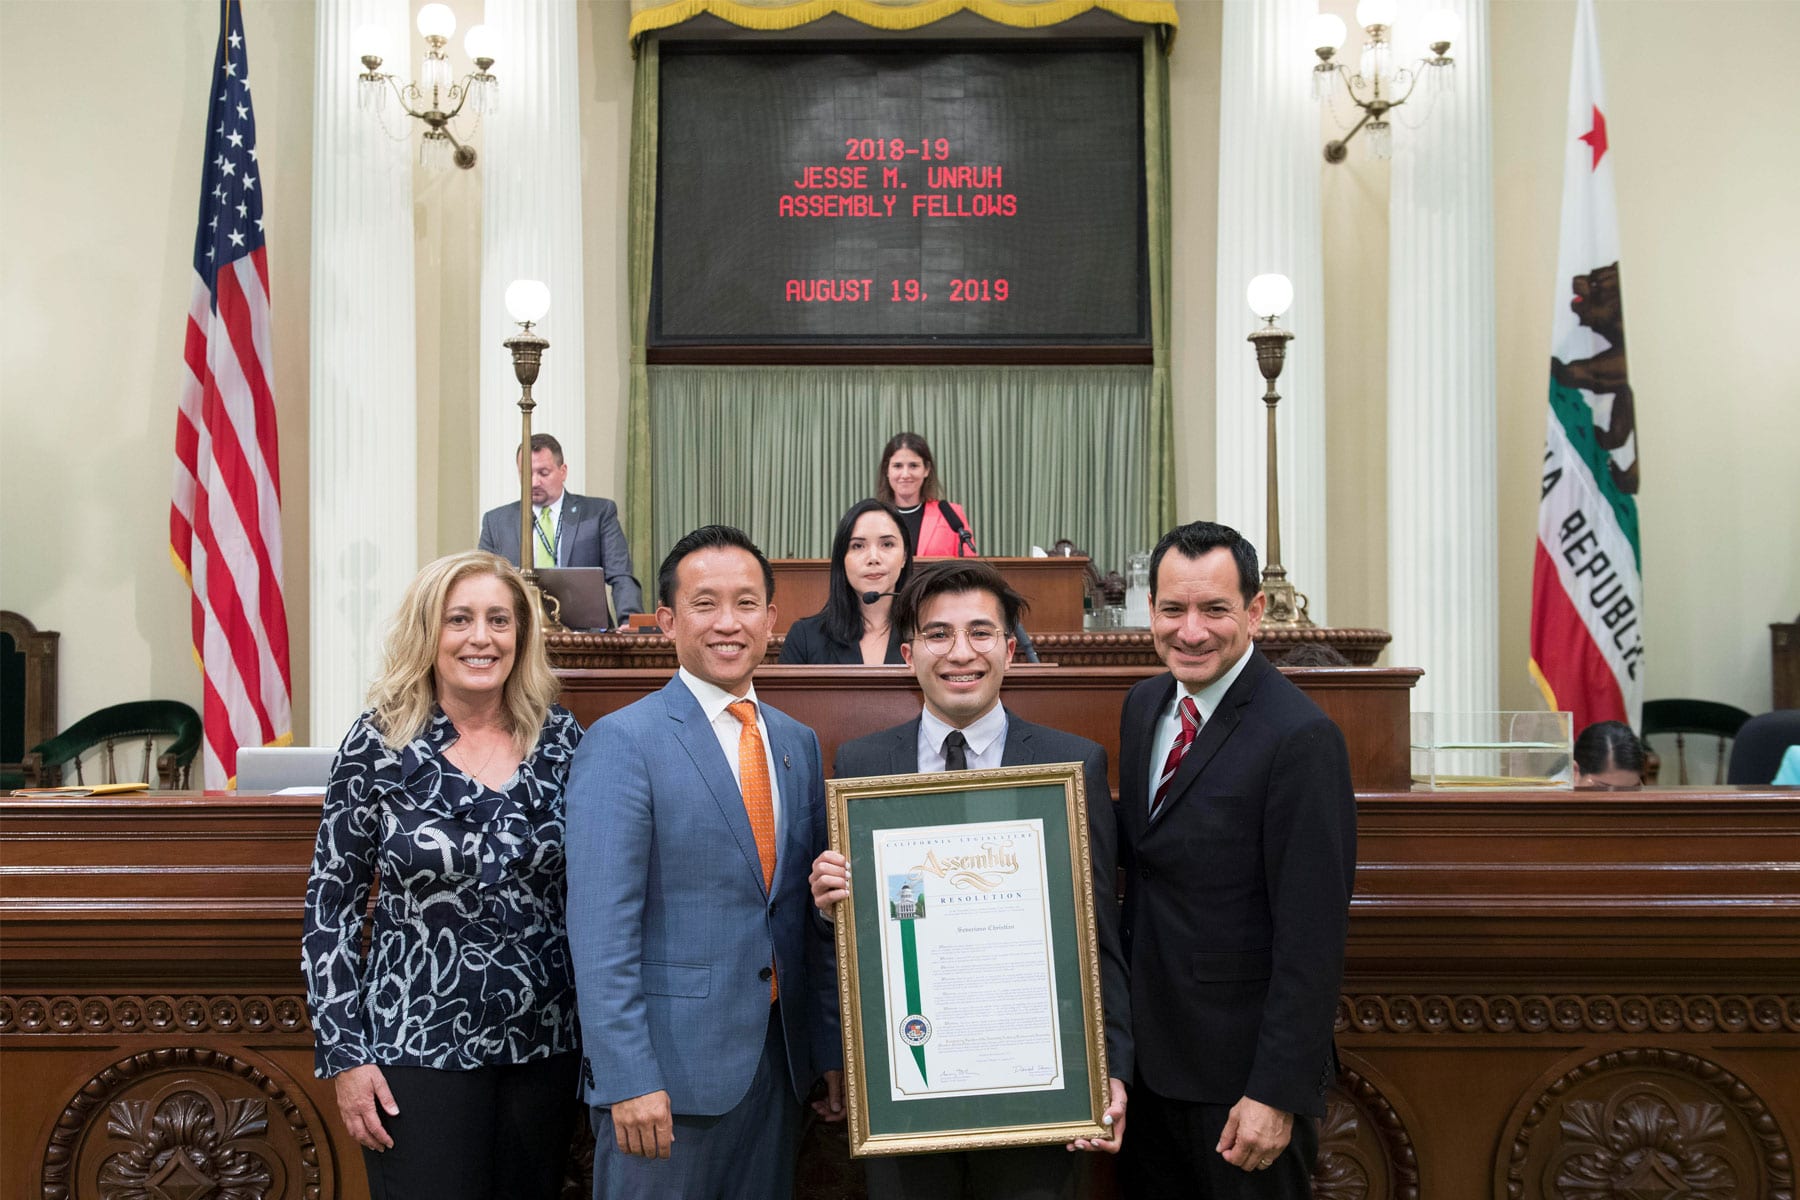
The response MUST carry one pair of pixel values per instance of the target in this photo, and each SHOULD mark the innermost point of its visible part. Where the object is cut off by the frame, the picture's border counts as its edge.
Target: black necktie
(956, 751)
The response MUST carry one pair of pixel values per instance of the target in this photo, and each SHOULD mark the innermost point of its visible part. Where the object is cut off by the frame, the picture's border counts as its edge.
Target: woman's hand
(359, 1091)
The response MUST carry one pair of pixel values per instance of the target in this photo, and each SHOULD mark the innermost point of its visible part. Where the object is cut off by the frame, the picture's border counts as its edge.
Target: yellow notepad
(85, 789)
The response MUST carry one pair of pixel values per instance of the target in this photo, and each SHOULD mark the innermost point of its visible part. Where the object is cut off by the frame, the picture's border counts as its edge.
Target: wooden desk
(1052, 586)
(1371, 705)
(1529, 974)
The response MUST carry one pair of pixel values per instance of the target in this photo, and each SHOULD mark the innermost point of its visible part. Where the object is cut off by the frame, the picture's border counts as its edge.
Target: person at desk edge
(871, 556)
(570, 530)
(908, 480)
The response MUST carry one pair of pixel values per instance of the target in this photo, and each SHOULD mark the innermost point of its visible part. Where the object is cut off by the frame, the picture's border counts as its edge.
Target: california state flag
(1587, 591)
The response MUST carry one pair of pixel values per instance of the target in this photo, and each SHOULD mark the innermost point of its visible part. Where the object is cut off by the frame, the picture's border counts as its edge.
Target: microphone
(872, 597)
(963, 536)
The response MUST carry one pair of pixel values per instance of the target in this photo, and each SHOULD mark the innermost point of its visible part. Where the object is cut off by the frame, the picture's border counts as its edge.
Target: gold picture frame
(1043, 1079)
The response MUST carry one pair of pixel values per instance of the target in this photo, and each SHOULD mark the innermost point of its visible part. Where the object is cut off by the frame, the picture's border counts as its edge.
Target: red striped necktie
(1190, 729)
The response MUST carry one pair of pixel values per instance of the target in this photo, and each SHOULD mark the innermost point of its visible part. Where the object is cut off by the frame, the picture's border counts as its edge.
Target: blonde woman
(453, 1041)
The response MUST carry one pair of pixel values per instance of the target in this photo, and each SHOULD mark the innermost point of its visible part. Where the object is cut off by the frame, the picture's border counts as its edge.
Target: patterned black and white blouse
(469, 962)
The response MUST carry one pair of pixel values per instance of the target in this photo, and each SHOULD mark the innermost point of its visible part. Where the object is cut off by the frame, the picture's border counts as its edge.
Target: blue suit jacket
(669, 923)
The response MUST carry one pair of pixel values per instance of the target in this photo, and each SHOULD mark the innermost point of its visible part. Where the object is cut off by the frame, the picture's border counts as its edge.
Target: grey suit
(1037, 1171)
(590, 537)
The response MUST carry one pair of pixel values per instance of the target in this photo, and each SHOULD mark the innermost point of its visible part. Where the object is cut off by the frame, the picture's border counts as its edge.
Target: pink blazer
(936, 538)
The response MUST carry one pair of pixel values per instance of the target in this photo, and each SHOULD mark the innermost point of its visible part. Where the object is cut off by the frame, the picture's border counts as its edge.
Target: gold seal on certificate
(967, 971)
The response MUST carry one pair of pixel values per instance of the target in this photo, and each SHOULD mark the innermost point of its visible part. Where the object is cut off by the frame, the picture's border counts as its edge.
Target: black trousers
(494, 1133)
(1169, 1154)
(1022, 1173)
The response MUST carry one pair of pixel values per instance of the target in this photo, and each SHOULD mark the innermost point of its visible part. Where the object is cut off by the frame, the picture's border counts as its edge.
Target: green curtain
(1031, 453)
(640, 451)
(1159, 474)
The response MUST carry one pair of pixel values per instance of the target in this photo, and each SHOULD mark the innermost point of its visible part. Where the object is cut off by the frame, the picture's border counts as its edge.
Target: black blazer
(896, 752)
(1237, 898)
(806, 642)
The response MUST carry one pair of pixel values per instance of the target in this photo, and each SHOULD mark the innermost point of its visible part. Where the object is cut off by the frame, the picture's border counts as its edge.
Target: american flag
(225, 522)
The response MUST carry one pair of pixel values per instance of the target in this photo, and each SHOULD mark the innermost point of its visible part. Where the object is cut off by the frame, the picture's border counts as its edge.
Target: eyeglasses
(939, 640)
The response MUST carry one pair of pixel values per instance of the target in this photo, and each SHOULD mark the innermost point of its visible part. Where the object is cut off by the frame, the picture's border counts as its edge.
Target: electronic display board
(903, 195)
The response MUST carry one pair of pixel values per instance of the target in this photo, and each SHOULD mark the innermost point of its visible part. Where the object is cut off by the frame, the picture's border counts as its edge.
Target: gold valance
(648, 16)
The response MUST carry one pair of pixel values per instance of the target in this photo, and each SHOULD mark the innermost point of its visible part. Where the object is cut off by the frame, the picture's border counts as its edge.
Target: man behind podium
(953, 618)
(707, 986)
(567, 530)
(1237, 834)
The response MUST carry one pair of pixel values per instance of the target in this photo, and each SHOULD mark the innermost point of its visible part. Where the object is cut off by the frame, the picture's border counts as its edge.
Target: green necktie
(543, 553)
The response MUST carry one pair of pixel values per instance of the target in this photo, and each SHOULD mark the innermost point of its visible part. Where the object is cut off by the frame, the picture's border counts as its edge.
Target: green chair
(1707, 718)
(147, 720)
(27, 692)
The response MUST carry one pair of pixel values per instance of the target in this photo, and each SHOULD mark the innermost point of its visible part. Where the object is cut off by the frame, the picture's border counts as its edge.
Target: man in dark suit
(953, 617)
(707, 989)
(567, 530)
(1237, 836)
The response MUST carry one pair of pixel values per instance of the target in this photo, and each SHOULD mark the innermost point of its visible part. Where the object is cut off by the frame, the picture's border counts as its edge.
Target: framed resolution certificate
(967, 971)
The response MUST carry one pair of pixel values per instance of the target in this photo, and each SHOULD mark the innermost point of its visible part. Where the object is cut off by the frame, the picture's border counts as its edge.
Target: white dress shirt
(1168, 722)
(715, 702)
(986, 736)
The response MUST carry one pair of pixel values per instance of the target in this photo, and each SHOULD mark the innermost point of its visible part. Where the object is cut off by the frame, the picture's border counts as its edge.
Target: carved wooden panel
(1650, 1124)
(185, 1123)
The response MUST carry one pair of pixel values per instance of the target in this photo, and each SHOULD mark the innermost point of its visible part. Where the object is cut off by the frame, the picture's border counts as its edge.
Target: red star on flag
(1596, 137)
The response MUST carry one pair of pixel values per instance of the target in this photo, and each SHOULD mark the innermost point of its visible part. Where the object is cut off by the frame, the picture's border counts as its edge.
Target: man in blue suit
(707, 986)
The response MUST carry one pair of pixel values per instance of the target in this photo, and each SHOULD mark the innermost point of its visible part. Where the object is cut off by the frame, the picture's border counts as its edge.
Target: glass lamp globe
(1269, 295)
(1326, 32)
(527, 300)
(436, 20)
(1376, 12)
(481, 42)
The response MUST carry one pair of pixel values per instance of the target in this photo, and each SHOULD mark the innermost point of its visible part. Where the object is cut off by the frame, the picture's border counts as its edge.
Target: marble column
(531, 226)
(1443, 571)
(1269, 163)
(362, 488)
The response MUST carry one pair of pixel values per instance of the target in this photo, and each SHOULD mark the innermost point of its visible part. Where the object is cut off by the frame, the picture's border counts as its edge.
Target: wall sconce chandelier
(1378, 86)
(434, 98)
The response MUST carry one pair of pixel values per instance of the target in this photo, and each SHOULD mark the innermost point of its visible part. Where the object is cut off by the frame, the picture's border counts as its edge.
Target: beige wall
(102, 115)
(99, 226)
(1702, 128)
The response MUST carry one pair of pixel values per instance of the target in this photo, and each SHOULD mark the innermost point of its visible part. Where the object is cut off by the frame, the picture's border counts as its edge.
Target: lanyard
(548, 544)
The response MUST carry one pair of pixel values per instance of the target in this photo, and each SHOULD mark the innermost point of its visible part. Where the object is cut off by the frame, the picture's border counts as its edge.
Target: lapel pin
(785, 764)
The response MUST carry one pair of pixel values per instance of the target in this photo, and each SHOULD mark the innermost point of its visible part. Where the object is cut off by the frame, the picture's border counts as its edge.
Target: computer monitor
(277, 768)
(581, 593)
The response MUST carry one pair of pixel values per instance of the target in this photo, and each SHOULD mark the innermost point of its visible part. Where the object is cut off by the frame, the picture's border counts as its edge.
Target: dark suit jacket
(806, 642)
(896, 752)
(1237, 897)
(591, 537)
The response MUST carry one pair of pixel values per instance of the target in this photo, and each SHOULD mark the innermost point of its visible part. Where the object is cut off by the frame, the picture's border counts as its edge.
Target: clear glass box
(1493, 750)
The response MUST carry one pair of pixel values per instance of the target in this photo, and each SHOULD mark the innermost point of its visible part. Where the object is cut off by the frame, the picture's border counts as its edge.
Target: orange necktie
(759, 797)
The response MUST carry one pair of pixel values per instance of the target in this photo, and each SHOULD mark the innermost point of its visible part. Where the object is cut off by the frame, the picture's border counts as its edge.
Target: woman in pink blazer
(908, 480)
